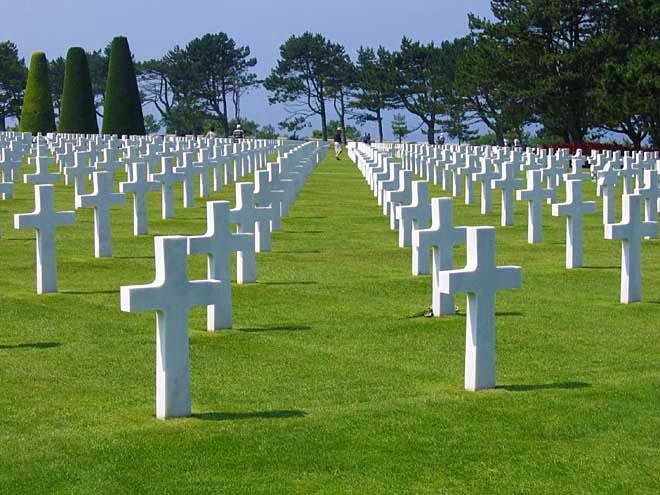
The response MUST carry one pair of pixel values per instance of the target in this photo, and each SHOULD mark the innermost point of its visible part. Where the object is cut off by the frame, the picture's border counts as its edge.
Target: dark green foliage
(304, 77)
(122, 112)
(372, 93)
(37, 115)
(12, 82)
(78, 113)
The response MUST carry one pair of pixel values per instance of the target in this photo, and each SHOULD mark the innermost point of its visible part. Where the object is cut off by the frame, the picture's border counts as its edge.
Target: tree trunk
(379, 118)
(3, 126)
(324, 124)
(223, 117)
(499, 137)
(430, 134)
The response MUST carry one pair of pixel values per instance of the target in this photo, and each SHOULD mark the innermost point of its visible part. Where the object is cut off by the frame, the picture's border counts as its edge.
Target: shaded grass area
(327, 384)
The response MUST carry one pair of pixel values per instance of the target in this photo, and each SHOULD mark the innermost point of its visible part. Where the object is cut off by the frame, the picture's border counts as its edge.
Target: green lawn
(327, 384)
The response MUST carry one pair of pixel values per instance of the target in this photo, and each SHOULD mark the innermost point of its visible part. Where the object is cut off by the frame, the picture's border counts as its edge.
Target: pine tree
(78, 111)
(37, 115)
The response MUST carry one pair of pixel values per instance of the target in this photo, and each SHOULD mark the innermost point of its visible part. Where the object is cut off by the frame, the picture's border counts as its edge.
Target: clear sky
(154, 26)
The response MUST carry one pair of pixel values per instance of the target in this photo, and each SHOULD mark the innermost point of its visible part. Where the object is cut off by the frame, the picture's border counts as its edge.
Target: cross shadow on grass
(33, 345)
(293, 282)
(613, 267)
(88, 292)
(134, 257)
(276, 328)
(302, 232)
(228, 416)
(545, 386)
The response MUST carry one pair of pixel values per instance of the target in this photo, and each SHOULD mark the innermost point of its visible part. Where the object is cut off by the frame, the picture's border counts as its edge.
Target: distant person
(238, 134)
(211, 133)
(338, 141)
(368, 138)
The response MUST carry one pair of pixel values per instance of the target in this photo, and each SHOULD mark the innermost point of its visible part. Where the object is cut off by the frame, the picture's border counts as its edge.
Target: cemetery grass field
(330, 382)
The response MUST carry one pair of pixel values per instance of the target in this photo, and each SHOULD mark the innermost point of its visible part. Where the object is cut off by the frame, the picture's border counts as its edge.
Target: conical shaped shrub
(122, 110)
(78, 111)
(37, 115)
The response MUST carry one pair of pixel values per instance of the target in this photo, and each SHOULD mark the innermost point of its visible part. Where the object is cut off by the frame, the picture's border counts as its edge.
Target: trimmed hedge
(37, 115)
(78, 112)
(122, 110)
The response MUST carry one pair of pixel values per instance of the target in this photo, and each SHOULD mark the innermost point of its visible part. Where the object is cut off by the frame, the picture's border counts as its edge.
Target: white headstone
(508, 183)
(45, 219)
(139, 186)
(630, 231)
(573, 209)
(441, 238)
(481, 279)
(534, 195)
(171, 295)
(218, 243)
(101, 200)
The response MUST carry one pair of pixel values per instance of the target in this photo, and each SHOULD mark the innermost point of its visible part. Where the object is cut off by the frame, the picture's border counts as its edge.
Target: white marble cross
(573, 209)
(45, 219)
(608, 179)
(651, 194)
(218, 243)
(42, 175)
(79, 173)
(441, 237)
(508, 183)
(139, 186)
(576, 172)
(468, 171)
(630, 173)
(246, 214)
(485, 176)
(10, 163)
(480, 279)
(102, 199)
(534, 195)
(171, 295)
(416, 215)
(630, 231)
(265, 196)
(188, 171)
(167, 178)
(400, 195)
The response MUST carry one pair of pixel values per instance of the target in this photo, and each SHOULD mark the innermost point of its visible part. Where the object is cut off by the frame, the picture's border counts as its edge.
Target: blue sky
(153, 27)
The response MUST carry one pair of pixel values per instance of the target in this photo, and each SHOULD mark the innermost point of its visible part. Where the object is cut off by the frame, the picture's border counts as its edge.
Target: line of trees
(571, 69)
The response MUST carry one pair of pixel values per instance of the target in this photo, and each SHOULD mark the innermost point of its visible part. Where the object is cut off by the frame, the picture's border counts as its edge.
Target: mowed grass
(328, 384)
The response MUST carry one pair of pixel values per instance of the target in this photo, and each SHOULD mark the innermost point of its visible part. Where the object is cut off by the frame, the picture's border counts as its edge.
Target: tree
(373, 94)
(457, 125)
(242, 80)
(78, 113)
(37, 115)
(151, 126)
(56, 83)
(627, 94)
(495, 96)
(293, 125)
(554, 45)
(422, 81)
(13, 75)
(400, 126)
(217, 68)
(98, 62)
(267, 132)
(122, 111)
(303, 77)
(342, 84)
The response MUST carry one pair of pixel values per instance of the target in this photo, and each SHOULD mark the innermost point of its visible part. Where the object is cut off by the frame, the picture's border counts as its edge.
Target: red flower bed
(587, 147)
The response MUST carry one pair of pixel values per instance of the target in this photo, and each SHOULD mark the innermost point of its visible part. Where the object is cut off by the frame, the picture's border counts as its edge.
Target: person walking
(338, 141)
(238, 134)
